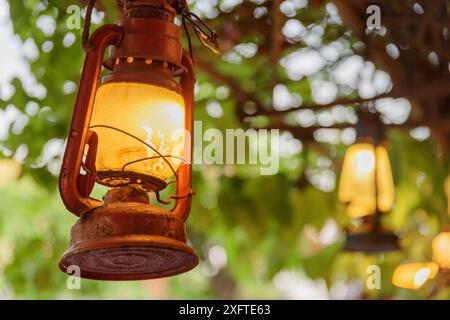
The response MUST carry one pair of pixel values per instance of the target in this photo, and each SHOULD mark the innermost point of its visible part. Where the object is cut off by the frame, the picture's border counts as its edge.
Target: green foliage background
(260, 221)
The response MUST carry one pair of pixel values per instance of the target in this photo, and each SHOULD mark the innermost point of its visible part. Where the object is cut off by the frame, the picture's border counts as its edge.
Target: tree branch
(242, 95)
(432, 91)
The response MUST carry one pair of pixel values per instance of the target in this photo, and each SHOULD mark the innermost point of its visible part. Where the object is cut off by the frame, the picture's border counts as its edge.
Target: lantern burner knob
(130, 193)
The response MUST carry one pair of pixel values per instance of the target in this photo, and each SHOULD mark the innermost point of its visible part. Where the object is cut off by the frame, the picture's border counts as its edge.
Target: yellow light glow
(357, 184)
(153, 114)
(414, 275)
(441, 249)
(9, 171)
(447, 193)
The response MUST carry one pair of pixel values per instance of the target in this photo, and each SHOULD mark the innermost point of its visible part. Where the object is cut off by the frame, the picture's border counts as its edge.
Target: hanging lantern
(441, 249)
(132, 132)
(414, 275)
(366, 187)
(357, 187)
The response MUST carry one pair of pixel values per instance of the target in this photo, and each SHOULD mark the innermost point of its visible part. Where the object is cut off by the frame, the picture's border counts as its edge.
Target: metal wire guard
(123, 177)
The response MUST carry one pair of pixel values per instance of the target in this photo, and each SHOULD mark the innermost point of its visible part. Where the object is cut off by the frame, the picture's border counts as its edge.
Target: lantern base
(372, 242)
(129, 241)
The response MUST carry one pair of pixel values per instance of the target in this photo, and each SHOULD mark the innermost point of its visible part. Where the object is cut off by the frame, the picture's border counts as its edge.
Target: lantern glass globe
(357, 185)
(136, 124)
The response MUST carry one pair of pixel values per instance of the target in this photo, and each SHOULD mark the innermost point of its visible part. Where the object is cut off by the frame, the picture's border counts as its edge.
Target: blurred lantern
(357, 187)
(132, 131)
(414, 275)
(9, 171)
(366, 186)
(441, 249)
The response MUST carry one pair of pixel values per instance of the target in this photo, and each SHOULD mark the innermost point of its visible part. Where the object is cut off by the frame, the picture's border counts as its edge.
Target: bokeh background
(298, 65)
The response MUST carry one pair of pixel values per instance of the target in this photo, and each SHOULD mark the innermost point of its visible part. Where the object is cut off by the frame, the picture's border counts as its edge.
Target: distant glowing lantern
(132, 132)
(414, 275)
(366, 187)
(9, 170)
(441, 249)
(358, 189)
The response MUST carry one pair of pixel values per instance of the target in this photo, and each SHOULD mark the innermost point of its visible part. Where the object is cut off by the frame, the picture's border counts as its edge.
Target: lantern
(414, 275)
(441, 249)
(131, 131)
(358, 189)
(366, 187)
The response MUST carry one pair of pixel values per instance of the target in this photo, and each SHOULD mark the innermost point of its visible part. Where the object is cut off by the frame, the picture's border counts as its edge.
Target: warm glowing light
(152, 114)
(414, 275)
(447, 193)
(357, 185)
(441, 249)
(9, 171)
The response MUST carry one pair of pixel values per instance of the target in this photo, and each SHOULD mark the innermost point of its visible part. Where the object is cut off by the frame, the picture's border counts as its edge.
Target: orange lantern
(132, 132)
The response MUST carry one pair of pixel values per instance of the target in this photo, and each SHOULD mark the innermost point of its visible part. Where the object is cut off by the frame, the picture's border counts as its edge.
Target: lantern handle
(74, 198)
(184, 181)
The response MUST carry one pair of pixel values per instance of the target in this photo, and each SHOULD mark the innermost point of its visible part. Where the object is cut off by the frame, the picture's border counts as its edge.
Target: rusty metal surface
(73, 199)
(135, 261)
(121, 178)
(150, 38)
(157, 73)
(184, 181)
(130, 193)
(129, 241)
(159, 9)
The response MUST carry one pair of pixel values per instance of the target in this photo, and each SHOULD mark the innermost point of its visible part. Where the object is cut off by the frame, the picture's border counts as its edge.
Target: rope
(87, 25)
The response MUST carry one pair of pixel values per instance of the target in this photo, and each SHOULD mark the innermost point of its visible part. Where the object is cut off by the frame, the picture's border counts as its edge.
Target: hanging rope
(87, 25)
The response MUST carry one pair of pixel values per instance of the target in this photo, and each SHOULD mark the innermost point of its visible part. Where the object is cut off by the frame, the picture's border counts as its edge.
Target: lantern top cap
(369, 126)
(166, 10)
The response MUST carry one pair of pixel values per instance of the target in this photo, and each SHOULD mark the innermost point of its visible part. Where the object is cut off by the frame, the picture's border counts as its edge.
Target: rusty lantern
(132, 132)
